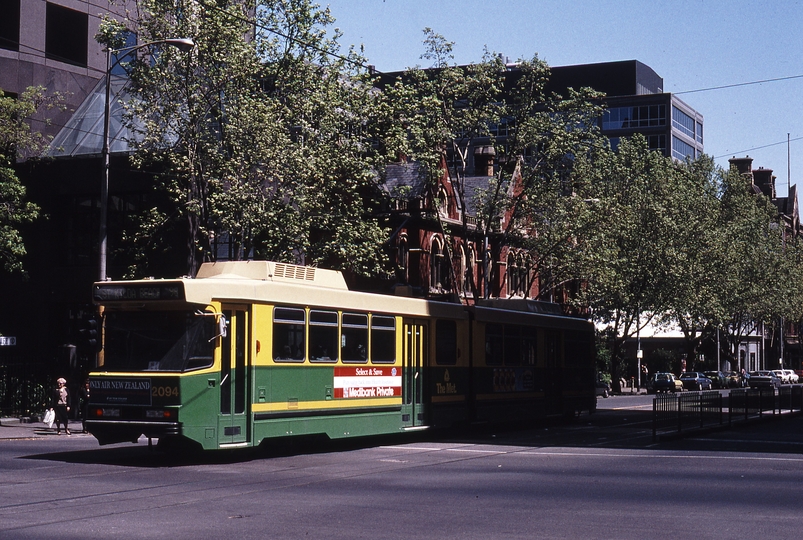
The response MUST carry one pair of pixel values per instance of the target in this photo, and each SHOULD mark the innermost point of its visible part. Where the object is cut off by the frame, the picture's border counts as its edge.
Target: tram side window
(552, 352)
(323, 336)
(493, 344)
(446, 343)
(354, 336)
(512, 345)
(578, 349)
(288, 334)
(383, 339)
(528, 348)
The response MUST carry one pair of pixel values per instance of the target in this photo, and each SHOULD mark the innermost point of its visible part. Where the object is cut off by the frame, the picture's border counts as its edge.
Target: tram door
(415, 347)
(554, 371)
(234, 403)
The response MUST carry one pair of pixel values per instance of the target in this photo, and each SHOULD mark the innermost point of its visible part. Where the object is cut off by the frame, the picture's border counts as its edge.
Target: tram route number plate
(7, 341)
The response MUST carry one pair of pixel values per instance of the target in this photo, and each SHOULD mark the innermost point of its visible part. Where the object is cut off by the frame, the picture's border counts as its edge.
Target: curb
(13, 421)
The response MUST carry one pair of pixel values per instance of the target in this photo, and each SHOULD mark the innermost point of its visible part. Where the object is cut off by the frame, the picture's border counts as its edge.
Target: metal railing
(675, 413)
(24, 389)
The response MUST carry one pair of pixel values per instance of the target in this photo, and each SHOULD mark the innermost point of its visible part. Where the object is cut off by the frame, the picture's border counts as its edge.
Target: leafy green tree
(631, 277)
(435, 114)
(689, 245)
(694, 305)
(757, 271)
(448, 111)
(18, 140)
(551, 200)
(263, 137)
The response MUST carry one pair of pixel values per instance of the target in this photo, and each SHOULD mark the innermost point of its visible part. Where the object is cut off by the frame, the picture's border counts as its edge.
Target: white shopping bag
(50, 417)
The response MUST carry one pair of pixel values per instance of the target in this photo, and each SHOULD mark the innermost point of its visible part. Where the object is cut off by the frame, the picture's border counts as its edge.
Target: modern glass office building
(637, 103)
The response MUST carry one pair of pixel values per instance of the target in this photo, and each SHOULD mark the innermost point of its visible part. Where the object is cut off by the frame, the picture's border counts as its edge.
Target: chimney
(764, 180)
(484, 160)
(743, 165)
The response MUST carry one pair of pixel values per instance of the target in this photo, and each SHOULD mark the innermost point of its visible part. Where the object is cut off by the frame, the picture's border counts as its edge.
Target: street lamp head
(182, 44)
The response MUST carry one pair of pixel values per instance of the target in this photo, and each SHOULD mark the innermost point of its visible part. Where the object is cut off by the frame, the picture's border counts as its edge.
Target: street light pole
(184, 45)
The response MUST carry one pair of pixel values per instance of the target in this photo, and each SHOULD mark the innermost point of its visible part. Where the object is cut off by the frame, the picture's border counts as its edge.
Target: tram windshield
(158, 340)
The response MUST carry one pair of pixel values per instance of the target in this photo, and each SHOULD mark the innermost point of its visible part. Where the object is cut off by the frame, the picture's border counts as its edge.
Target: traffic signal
(92, 337)
(89, 335)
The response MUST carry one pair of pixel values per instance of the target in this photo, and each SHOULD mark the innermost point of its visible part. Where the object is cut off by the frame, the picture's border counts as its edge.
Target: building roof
(473, 186)
(623, 78)
(401, 176)
(82, 135)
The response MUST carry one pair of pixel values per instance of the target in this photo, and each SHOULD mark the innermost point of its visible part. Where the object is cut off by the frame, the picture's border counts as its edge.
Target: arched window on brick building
(468, 270)
(403, 259)
(443, 203)
(512, 275)
(518, 274)
(439, 275)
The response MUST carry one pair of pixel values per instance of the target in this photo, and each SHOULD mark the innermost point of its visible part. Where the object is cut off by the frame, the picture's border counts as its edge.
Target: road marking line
(660, 456)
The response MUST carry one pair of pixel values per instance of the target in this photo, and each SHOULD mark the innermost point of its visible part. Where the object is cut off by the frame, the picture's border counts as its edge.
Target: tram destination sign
(117, 292)
(7, 341)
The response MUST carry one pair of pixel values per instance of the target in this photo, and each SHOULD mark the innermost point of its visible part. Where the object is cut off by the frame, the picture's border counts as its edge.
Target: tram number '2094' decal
(164, 391)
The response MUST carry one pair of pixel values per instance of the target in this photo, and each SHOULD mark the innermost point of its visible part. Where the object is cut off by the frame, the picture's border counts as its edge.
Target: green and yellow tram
(255, 350)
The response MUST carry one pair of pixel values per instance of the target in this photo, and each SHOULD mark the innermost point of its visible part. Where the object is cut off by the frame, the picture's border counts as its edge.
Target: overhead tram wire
(362, 65)
(735, 85)
(758, 147)
(295, 40)
(738, 84)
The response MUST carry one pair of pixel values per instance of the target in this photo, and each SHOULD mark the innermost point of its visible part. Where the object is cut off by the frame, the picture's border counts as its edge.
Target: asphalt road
(599, 477)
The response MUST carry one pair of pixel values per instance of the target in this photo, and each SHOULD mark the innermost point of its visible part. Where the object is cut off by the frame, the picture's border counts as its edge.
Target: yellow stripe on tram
(318, 405)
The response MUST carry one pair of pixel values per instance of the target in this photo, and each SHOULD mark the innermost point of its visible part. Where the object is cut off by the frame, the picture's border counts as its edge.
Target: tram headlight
(160, 414)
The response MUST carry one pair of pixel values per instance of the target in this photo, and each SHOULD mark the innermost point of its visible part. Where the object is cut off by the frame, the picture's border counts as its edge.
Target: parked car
(718, 379)
(787, 376)
(734, 381)
(694, 380)
(764, 379)
(603, 389)
(781, 375)
(664, 382)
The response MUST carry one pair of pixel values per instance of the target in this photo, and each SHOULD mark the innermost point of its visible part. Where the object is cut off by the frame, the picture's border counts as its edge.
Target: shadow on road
(609, 428)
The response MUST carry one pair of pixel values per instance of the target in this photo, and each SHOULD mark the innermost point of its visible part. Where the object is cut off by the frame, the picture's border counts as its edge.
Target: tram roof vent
(273, 271)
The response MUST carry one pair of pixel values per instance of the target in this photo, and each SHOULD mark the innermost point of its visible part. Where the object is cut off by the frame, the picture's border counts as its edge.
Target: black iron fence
(675, 413)
(25, 388)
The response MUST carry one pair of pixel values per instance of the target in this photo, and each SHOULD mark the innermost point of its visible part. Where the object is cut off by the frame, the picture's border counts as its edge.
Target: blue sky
(692, 44)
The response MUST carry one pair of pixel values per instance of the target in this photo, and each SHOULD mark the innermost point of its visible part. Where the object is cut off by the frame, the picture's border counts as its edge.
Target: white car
(792, 376)
(781, 373)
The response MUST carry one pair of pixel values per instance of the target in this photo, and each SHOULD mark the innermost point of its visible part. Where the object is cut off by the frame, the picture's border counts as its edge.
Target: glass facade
(654, 142)
(657, 142)
(634, 117)
(681, 150)
(683, 122)
(681, 138)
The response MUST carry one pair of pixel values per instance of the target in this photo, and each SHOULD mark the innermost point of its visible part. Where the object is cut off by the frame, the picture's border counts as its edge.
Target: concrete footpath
(15, 428)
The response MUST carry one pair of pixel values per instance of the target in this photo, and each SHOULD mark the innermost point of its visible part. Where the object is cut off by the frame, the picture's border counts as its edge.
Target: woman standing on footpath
(61, 397)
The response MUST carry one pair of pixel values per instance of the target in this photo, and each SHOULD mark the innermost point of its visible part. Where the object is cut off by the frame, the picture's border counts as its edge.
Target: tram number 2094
(164, 391)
